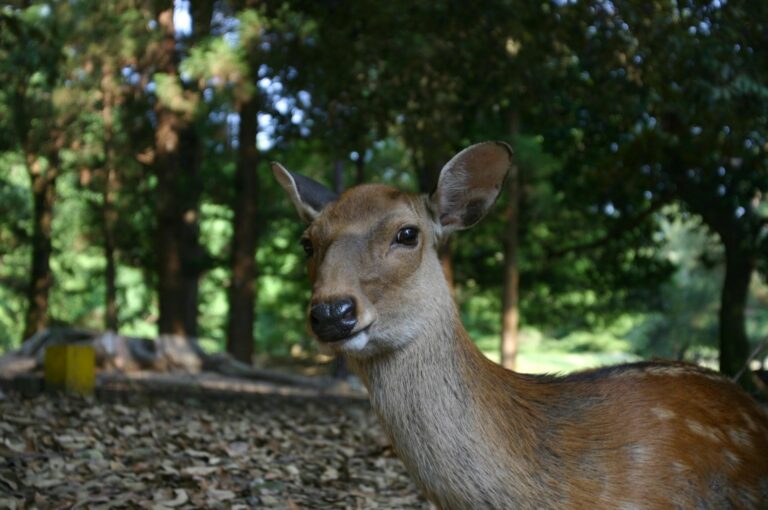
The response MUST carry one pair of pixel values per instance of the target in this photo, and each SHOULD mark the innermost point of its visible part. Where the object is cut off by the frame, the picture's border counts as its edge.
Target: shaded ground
(268, 451)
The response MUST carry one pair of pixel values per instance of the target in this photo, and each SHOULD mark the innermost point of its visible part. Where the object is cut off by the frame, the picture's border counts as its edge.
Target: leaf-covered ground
(272, 452)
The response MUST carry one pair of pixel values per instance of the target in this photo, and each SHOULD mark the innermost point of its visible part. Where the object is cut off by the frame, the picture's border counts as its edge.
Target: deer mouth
(354, 341)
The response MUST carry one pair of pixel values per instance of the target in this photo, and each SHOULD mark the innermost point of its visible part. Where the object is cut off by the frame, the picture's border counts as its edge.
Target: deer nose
(333, 320)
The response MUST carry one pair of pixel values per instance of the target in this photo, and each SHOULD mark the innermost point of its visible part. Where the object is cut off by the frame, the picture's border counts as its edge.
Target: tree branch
(629, 224)
(760, 347)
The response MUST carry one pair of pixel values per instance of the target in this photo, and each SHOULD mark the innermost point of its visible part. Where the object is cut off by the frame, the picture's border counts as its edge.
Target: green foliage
(15, 210)
(77, 262)
(639, 131)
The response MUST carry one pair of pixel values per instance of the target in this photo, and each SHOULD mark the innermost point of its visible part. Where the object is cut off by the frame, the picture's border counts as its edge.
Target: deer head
(372, 251)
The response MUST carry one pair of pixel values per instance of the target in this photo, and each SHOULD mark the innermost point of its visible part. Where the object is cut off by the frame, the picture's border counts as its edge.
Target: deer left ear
(469, 185)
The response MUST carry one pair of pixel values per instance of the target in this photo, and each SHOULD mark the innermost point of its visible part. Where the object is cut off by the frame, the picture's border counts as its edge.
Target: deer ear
(469, 184)
(308, 196)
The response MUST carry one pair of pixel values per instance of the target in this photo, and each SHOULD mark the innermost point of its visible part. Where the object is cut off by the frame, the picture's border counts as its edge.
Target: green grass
(577, 351)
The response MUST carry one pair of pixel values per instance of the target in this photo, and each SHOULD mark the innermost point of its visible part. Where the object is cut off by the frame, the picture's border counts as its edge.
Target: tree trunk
(191, 158)
(110, 274)
(179, 254)
(510, 315)
(734, 343)
(178, 232)
(242, 290)
(108, 213)
(41, 279)
(192, 254)
(738, 240)
(170, 293)
(178, 153)
(509, 312)
(166, 166)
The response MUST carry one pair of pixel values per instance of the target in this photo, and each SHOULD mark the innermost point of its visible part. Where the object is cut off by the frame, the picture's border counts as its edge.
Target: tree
(242, 289)
(177, 156)
(34, 73)
(688, 123)
(105, 42)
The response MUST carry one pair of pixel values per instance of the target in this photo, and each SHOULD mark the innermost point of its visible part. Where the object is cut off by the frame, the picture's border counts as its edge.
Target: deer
(474, 435)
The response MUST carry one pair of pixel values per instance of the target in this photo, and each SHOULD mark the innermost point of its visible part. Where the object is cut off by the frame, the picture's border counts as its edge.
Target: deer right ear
(308, 196)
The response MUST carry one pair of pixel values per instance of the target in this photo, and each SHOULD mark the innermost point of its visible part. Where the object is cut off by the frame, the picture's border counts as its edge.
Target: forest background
(136, 136)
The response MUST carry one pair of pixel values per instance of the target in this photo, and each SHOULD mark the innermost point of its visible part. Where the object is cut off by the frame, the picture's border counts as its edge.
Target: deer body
(482, 437)
(474, 435)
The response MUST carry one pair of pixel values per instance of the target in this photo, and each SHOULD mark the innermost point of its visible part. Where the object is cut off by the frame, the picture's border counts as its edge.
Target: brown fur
(474, 435)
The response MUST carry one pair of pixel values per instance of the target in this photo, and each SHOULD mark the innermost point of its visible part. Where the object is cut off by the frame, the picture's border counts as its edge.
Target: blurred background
(136, 195)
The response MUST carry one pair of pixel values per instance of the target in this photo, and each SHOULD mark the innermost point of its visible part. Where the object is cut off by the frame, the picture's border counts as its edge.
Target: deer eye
(407, 236)
(307, 245)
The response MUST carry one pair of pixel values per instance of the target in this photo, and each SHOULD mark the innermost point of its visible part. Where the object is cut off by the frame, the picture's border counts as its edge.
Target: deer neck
(450, 412)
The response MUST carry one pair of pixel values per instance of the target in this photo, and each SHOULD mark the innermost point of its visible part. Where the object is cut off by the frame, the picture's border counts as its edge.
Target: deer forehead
(368, 211)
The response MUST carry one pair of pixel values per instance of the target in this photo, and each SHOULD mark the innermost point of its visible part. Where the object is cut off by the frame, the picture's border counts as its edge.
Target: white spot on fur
(703, 430)
(662, 413)
(750, 422)
(731, 458)
(740, 437)
(639, 454)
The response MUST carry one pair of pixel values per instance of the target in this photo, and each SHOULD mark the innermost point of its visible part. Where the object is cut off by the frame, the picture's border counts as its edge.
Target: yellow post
(71, 368)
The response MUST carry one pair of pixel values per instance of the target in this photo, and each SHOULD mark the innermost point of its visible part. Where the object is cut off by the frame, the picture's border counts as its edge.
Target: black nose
(333, 320)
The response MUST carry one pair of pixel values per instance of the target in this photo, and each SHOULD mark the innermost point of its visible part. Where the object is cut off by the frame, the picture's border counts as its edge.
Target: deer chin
(353, 344)
(357, 342)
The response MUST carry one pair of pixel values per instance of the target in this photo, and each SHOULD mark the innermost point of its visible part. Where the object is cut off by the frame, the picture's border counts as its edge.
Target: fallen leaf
(199, 470)
(329, 474)
(180, 498)
(220, 495)
(128, 430)
(236, 449)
